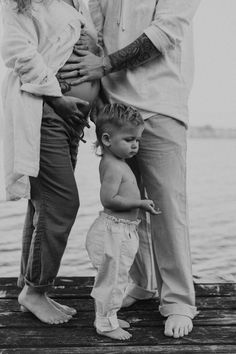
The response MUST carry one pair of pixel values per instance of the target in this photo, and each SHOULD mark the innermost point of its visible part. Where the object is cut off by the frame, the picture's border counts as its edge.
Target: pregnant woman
(44, 121)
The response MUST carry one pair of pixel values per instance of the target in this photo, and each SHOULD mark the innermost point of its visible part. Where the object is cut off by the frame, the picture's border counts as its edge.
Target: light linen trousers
(112, 245)
(163, 263)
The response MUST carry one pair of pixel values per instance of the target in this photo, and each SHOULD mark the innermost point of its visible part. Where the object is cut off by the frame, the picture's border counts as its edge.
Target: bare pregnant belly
(87, 91)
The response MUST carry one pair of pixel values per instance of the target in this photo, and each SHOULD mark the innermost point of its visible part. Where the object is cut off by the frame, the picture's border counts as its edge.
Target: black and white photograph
(117, 176)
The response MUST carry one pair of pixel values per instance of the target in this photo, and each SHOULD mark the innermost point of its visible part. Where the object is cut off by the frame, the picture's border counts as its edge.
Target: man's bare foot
(117, 333)
(65, 309)
(128, 301)
(122, 324)
(38, 304)
(178, 326)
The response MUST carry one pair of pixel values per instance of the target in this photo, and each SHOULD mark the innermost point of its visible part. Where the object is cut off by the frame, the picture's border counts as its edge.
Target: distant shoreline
(194, 132)
(207, 131)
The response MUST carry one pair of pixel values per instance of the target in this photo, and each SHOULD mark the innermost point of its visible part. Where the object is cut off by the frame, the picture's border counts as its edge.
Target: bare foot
(178, 326)
(122, 324)
(117, 333)
(128, 301)
(38, 304)
(65, 309)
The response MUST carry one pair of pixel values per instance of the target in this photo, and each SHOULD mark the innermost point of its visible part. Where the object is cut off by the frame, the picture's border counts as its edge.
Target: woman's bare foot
(38, 304)
(178, 326)
(122, 324)
(65, 309)
(117, 333)
(128, 301)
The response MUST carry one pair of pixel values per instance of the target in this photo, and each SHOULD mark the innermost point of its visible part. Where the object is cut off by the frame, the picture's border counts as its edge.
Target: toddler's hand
(149, 206)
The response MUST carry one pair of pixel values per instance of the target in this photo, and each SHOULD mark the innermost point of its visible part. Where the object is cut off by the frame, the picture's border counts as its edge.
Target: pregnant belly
(87, 91)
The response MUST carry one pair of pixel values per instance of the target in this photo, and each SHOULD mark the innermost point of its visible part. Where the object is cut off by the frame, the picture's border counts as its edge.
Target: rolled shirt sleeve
(20, 53)
(171, 19)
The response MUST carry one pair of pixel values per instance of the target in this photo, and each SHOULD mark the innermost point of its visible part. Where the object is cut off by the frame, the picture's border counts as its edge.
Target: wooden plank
(163, 349)
(77, 283)
(73, 282)
(216, 302)
(11, 292)
(72, 293)
(220, 289)
(204, 303)
(11, 305)
(136, 319)
(67, 336)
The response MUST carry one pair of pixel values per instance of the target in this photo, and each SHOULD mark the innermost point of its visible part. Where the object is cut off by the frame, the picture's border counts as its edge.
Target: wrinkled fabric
(111, 244)
(34, 47)
(162, 85)
(53, 206)
(163, 263)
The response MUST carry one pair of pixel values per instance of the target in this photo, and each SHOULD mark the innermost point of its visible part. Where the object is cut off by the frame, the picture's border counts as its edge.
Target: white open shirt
(33, 49)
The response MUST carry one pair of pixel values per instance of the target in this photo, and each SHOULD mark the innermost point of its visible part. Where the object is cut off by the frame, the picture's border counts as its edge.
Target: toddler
(112, 241)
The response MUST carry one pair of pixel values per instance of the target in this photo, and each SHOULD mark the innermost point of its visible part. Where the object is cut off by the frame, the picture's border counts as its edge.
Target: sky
(212, 99)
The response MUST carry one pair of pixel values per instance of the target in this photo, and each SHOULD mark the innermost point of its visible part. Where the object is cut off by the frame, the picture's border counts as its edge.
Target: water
(212, 203)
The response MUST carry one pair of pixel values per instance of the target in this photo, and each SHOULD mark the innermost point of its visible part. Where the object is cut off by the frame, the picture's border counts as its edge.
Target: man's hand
(149, 206)
(84, 64)
(69, 108)
(70, 70)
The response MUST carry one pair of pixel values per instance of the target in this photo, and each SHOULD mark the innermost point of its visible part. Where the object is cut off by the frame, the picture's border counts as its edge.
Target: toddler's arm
(110, 199)
(110, 184)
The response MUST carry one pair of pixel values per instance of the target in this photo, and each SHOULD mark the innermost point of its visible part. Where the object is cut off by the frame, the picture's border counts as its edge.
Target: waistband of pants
(118, 220)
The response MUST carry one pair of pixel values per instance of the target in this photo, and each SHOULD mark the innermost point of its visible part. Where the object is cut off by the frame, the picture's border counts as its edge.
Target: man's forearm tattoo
(136, 53)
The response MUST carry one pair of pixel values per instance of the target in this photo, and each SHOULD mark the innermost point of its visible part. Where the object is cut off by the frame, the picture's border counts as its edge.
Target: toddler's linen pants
(112, 245)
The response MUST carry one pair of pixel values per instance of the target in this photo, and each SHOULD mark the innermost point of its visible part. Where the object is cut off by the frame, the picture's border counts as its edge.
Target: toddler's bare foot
(128, 301)
(117, 333)
(178, 326)
(65, 309)
(38, 304)
(122, 324)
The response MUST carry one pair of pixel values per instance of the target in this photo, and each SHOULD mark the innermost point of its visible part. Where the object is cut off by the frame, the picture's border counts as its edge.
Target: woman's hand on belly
(68, 76)
(87, 91)
(71, 109)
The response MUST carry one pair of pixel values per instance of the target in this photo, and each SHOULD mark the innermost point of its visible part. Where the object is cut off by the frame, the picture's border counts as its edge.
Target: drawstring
(120, 19)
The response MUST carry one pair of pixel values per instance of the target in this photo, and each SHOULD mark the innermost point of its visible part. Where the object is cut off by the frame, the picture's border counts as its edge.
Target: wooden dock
(214, 328)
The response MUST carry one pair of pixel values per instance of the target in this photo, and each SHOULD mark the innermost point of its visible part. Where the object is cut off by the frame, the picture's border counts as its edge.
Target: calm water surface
(212, 204)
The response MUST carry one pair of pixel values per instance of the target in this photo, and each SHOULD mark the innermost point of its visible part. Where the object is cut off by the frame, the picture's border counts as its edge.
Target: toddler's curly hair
(115, 115)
